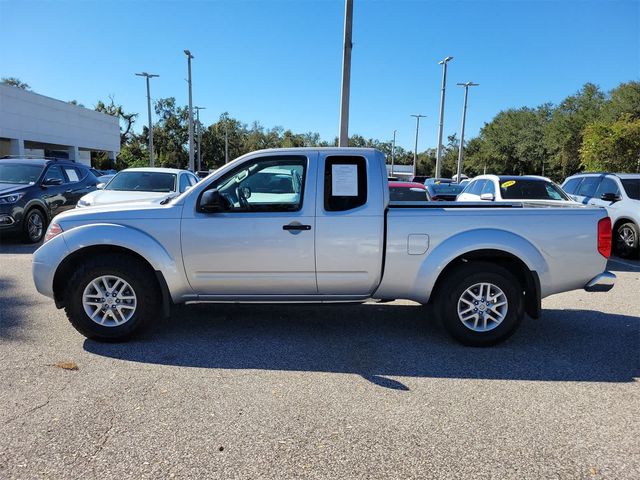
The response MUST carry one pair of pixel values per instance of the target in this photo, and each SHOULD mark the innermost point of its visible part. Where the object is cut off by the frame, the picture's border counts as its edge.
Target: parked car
(619, 193)
(447, 192)
(419, 179)
(433, 180)
(408, 192)
(33, 191)
(512, 188)
(104, 179)
(202, 174)
(337, 239)
(140, 184)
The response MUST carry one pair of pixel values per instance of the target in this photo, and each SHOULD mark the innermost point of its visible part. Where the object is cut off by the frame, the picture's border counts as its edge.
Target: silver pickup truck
(316, 225)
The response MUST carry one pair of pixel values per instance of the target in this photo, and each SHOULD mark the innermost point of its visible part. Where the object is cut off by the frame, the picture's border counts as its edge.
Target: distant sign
(344, 180)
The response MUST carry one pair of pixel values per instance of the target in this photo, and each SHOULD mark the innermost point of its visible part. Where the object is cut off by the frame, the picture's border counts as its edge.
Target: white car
(512, 188)
(619, 193)
(140, 184)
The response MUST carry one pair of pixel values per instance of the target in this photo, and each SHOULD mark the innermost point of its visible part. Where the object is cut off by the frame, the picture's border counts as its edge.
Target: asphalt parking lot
(371, 391)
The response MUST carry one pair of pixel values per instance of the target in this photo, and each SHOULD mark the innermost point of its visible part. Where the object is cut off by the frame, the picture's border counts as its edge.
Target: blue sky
(280, 62)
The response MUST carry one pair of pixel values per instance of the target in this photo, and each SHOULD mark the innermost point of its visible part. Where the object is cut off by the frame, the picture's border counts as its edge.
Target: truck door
(262, 243)
(349, 224)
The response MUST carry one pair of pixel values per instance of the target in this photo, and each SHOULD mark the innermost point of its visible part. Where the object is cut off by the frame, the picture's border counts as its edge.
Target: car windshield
(632, 187)
(447, 188)
(19, 173)
(407, 194)
(530, 189)
(143, 182)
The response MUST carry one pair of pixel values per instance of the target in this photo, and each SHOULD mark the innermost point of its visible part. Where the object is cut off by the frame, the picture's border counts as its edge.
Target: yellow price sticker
(508, 184)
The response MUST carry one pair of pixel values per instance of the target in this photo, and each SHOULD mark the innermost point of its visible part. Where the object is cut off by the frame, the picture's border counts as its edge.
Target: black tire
(625, 240)
(29, 235)
(142, 281)
(466, 276)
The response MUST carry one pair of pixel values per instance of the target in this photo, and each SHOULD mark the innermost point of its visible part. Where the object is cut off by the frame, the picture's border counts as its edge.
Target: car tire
(121, 294)
(475, 292)
(626, 240)
(34, 226)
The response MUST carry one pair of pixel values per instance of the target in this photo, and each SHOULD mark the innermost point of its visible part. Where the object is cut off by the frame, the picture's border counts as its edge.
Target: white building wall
(28, 116)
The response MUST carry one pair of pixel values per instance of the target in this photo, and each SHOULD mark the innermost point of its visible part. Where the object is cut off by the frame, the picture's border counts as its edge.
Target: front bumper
(601, 283)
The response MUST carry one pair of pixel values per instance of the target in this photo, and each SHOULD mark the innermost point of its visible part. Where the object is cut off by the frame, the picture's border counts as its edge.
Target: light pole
(464, 117)
(197, 109)
(444, 86)
(393, 152)
(152, 162)
(226, 137)
(189, 57)
(415, 151)
(346, 75)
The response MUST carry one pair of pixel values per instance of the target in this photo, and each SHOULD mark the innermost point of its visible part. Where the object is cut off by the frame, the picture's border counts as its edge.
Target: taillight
(53, 231)
(604, 237)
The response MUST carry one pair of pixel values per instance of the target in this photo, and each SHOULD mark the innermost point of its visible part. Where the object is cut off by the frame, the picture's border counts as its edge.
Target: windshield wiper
(168, 199)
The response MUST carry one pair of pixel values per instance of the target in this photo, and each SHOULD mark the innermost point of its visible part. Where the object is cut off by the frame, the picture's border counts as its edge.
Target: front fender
(48, 258)
(474, 240)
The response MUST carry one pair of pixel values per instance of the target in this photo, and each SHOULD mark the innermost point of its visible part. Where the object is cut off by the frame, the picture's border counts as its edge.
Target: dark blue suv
(34, 190)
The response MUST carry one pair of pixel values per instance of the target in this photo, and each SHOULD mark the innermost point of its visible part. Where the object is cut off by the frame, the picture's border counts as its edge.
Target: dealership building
(34, 125)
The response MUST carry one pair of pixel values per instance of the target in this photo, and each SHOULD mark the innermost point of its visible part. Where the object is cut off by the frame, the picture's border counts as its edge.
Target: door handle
(296, 227)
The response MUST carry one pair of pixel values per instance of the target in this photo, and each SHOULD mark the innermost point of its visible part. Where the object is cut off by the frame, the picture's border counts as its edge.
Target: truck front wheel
(110, 297)
(480, 304)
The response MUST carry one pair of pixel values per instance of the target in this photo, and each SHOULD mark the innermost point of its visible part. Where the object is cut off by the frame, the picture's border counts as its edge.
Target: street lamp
(189, 57)
(444, 86)
(148, 76)
(197, 109)
(415, 151)
(343, 140)
(393, 152)
(464, 117)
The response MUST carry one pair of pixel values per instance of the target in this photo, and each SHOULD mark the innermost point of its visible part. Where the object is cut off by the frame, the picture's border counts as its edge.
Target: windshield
(143, 182)
(447, 188)
(530, 189)
(19, 173)
(407, 194)
(632, 187)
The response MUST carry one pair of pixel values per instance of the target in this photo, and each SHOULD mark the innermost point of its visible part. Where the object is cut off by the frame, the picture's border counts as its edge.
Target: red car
(408, 192)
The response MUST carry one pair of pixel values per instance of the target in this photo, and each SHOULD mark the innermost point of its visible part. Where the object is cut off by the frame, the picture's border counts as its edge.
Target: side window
(184, 182)
(55, 171)
(572, 185)
(477, 188)
(588, 186)
(272, 184)
(72, 174)
(489, 188)
(345, 183)
(607, 185)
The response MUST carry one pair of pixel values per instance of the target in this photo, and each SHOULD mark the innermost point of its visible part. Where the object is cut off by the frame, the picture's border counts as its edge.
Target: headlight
(11, 198)
(82, 203)
(53, 231)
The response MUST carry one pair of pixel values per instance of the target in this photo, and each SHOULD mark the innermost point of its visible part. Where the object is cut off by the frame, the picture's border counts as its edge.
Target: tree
(614, 148)
(564, 133)
(126, 119)
(15, 82)
(623, 100)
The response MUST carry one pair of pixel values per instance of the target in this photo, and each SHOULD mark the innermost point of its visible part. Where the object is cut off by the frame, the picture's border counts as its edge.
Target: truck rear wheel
(110, 297)
(480, 304)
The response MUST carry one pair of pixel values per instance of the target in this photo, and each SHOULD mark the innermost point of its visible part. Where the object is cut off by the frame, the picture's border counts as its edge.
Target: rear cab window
(345, 183)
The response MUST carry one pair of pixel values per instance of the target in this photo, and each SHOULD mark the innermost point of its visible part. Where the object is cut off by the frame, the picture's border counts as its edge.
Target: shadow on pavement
(376, 341)
(13, 309)
(616, 264)
(12, 243)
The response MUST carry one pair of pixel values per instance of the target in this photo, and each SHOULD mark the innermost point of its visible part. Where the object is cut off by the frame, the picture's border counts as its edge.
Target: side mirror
(489, 197)
(100, 186)
(610, 197)
(211, 201)
(52, 181)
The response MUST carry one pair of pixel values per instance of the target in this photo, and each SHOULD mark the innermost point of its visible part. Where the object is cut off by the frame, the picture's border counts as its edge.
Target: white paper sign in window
(71, 173)
(344, 180)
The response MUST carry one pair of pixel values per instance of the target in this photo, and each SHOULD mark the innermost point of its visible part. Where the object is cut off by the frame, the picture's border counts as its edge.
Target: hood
(110, 197)
(7, 188)
(119, 212)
